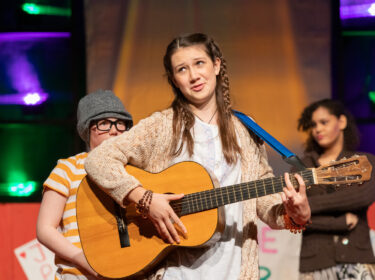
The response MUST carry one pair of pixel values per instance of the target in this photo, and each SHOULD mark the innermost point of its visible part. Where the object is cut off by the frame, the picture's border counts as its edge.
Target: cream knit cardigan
(147, 146)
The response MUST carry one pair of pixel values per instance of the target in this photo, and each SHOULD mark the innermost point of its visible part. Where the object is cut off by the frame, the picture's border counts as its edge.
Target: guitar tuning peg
(349, 184)
(360, 183)
(356, 156)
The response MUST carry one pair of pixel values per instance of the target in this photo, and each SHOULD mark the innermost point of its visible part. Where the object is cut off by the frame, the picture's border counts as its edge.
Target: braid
(188, 123)
(225, 86)
(228, 137)
(183, 121)
(222, 79)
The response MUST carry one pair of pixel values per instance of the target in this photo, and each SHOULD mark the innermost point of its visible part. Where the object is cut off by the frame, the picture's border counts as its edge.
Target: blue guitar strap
(287, 155)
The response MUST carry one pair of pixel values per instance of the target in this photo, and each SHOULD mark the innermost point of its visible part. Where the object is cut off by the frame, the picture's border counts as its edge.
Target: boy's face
(103, 129)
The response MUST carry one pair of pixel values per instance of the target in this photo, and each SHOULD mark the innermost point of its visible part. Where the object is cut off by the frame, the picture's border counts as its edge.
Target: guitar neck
(210, 199)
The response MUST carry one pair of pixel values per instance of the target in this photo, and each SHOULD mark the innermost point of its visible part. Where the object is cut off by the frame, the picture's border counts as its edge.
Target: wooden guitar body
(98, 227)
(119, 243)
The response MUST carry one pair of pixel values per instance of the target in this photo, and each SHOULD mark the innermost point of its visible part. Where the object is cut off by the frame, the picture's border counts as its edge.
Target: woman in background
(336, 245)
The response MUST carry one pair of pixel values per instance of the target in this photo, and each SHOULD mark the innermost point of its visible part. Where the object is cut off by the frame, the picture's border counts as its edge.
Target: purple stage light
(21, 71)
(30, 98)
(371, 10)
(28, 36)
(23, 77)
(357, 10)
(34, 98)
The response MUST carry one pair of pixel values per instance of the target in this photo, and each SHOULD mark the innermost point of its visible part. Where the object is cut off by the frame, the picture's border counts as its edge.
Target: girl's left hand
(295, 202)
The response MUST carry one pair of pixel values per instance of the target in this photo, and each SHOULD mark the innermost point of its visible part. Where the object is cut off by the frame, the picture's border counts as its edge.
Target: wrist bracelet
(143, 205)
(292, 225)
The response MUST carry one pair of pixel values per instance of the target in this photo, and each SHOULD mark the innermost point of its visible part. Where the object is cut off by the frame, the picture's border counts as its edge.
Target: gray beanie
(99, 105)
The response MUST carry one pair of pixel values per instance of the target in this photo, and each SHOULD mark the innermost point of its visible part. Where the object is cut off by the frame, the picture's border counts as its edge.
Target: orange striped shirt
(65, 179)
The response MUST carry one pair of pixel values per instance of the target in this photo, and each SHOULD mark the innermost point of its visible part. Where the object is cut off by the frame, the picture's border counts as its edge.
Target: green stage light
(371, 96)
(18, 188)
(35, 9)
(31, 8)
(358, 33)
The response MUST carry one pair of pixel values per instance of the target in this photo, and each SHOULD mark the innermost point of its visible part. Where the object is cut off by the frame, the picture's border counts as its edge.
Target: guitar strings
(196, 203)
(242, 186)
(206, 197)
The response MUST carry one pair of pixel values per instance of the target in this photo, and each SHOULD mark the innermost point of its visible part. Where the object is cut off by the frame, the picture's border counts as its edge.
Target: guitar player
(198, 126)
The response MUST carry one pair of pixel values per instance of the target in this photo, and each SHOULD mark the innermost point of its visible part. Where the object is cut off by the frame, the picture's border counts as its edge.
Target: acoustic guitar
(119, 243)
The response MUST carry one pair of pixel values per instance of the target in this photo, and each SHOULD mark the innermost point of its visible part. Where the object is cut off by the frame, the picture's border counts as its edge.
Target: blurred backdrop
(281, 56)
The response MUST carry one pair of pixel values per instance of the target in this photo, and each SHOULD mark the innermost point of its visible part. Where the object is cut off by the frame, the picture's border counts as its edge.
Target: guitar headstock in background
(355, 169)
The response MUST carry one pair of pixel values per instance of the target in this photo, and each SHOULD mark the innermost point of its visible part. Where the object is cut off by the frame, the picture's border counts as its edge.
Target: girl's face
(327, 129)
(194, 74)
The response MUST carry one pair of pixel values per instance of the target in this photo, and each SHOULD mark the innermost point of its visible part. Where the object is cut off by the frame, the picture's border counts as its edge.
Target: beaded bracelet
(143, 205)
(292, 226)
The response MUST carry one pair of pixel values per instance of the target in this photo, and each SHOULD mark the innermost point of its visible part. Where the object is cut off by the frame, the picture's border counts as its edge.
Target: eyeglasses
(106, 125)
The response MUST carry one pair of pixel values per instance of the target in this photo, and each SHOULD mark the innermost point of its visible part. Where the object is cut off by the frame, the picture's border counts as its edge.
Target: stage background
(279, 60)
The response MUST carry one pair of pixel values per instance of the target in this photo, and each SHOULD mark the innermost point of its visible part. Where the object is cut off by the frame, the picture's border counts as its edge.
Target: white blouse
(223, 259)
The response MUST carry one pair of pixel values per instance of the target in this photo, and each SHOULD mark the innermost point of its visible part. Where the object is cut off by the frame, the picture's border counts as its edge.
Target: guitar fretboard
(210, 199)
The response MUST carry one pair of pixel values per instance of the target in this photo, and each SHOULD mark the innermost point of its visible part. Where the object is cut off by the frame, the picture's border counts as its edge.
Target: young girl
(336, 245)
(199, 126)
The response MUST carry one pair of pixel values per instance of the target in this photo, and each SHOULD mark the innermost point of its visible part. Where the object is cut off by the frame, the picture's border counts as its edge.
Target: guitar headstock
(356, 169)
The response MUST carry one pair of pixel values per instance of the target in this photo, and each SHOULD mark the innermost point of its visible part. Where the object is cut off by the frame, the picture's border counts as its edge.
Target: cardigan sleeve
(105, 164)
(269, 208)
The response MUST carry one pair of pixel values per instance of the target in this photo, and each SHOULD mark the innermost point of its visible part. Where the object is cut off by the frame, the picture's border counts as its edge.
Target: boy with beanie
(100, 115)
(96, 106)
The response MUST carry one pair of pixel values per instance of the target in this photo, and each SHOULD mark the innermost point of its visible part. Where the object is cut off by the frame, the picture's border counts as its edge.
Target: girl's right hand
(163, 217)
(161, 213)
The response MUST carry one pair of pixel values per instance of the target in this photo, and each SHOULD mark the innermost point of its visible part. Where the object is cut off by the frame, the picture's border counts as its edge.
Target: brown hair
(183, 118)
